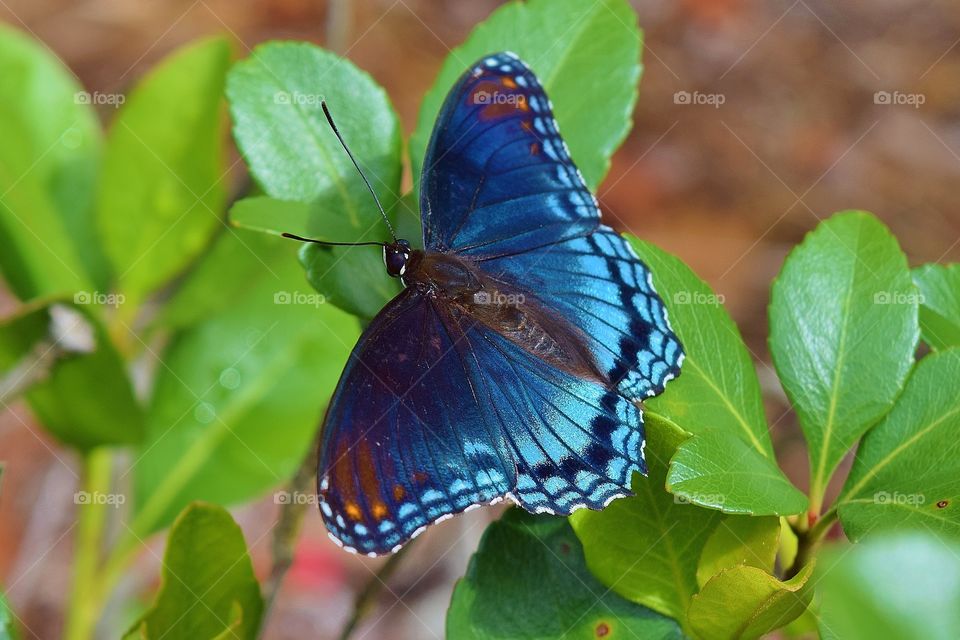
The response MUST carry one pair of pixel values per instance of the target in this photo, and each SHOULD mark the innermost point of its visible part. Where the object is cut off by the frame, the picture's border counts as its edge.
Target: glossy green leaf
(738, 541)
(84, 396)
(718, 469)
(349, 278)
(743, 603)
(208, 583)
(278, 90)
(717, 398)
(528, 580)
(586, 55)
(48, 163)
(235, 263)
(905, 587)
(907, 468)
(843, 331)
(646, 547)
(163, 187)
(271, 215)
(939, 287)
(239, 397)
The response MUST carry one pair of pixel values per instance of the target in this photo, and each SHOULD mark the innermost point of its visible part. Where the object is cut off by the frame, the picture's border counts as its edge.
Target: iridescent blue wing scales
(407, 441)
(598, 284)
(497, 176)
(500, 188)
(576, 443)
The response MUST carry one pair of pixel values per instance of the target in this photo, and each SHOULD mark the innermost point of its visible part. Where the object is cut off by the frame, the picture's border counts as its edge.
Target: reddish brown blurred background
(730, 189)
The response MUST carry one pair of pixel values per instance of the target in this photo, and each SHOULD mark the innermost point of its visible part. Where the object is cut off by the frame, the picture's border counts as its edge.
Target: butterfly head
(395, 257)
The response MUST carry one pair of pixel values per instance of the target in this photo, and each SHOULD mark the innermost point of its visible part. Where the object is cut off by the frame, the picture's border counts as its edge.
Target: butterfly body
(512, 363)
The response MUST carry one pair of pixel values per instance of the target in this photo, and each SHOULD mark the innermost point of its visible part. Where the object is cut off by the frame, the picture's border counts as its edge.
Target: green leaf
(902, 587)
(719, 470)
(646, 547)
(8, 629)
(278, 90)
(587, 57)
(48, 164)
(740, 541)
(717, 398)
(907, 468)
(84, 396)
(528, 580)
(939, 287)
(349, 279)
(744, 602)
(843, 331)
(305, 219)
(208, 583)
(239, 398)
(236, 262)
(162, 191)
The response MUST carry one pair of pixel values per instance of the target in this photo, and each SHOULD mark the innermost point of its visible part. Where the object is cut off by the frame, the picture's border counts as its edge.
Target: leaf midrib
(755, 442)
(818, 480)
(887, 459)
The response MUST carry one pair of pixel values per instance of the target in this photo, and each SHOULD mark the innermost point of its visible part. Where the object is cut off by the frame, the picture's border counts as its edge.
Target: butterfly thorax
(471, 296)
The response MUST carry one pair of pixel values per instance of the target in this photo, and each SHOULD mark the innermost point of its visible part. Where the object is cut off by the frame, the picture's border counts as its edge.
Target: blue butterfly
(512, 363)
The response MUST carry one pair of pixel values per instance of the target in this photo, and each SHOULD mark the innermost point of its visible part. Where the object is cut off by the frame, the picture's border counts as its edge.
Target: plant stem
(368, 596)
(809, 541)
(84, 606)
(287, 529)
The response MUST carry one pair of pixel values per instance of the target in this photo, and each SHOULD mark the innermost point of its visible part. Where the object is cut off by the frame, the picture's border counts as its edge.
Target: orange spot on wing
(535, 148)
(380, 510)
(526, 125)
(353, 511)
(398, 492)
(509, 83)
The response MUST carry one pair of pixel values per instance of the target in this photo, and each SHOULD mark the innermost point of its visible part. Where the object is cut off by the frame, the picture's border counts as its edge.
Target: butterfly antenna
(333, 244)
(326, 112)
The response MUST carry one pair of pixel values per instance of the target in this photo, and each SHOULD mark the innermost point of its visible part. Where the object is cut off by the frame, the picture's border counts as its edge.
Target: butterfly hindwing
(407, 441)
(497, 176)
(576, 442)
(597, 283)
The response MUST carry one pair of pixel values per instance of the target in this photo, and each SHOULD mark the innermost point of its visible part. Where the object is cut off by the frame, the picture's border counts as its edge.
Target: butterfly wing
(436, 412)
(497, 177)
(500, 188)
(407, 439)
(597, 283)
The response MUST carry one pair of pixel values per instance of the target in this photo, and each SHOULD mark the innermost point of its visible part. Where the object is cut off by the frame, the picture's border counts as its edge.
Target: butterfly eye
(395, 257)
